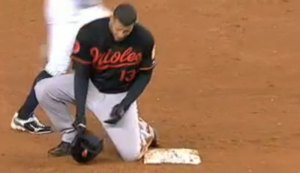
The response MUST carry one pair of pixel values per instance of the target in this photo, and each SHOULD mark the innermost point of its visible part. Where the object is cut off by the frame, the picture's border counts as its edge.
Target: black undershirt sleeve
(82, 61)
(81, 82)
(137, 88)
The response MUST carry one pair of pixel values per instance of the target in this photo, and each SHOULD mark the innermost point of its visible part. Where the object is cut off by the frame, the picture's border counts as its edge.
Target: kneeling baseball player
(113, 62)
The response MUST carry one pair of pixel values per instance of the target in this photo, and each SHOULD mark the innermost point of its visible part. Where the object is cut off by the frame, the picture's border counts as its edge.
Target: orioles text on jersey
(115, 59)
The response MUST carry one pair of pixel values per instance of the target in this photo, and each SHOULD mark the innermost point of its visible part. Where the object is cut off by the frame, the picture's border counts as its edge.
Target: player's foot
(63, 149)
(155, 142)
(31, 125)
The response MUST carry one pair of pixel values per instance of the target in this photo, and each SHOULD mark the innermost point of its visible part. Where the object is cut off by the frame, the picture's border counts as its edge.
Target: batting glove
(117, 113)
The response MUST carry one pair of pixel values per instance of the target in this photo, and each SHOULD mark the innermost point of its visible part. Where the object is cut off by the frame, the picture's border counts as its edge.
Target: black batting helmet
(86, 148)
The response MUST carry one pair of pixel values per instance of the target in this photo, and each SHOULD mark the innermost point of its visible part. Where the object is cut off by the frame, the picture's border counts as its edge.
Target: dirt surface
(227, 84)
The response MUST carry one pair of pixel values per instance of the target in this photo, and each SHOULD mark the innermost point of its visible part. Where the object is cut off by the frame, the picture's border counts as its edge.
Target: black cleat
(63, 149)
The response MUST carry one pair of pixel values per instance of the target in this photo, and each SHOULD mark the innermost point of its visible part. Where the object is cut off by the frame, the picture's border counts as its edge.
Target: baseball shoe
(63, 149)
(155, 142)
(31, 125)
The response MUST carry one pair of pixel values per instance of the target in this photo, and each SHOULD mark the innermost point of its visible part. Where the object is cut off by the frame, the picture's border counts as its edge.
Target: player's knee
(42, 89)
(130, 155)
(42, 75)
(39, 90)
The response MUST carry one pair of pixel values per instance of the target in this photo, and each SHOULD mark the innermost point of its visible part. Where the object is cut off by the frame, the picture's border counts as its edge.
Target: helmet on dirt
(86, 148)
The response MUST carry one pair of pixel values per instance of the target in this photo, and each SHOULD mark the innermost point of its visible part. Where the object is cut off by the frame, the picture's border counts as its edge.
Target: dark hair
(125, 13)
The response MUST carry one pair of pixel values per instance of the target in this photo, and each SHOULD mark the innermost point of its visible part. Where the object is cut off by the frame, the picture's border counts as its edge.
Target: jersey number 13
(127, 75)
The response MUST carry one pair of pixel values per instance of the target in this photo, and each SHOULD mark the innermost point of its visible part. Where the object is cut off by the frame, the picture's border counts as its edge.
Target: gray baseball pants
(131, 135)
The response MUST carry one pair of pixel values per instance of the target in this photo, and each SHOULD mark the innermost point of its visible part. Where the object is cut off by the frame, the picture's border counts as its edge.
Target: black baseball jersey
(115, 65)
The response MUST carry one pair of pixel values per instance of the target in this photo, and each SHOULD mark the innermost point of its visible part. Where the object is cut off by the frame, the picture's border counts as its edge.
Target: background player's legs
(131, 135)
(25, 119)
(58, 15)
(61, 38)
(89, 14)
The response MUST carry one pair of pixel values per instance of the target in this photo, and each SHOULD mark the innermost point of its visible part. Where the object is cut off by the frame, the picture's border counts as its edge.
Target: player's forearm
(81, 82)
(137, 88)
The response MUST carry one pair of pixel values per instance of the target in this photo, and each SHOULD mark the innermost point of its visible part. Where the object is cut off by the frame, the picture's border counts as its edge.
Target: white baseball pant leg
(64, 19)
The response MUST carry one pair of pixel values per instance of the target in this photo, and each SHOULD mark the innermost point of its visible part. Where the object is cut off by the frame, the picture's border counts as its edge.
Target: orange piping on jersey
(147, 68)
(81, 60)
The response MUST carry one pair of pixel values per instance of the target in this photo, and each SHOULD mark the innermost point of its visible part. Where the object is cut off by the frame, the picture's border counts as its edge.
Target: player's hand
(80, 123)
(116, 114)
(80, 126)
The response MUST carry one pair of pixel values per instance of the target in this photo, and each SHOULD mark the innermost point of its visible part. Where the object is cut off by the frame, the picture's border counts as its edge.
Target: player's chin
(119, 39)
